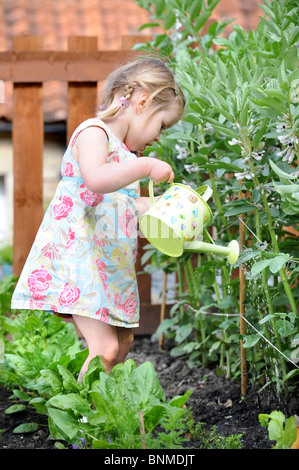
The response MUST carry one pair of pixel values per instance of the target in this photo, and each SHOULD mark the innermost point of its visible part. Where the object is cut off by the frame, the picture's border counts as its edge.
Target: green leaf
(232, 77)
(70, 384)
(239, 209)
(144, 388)
(67, 426)
(21, 365)
(195, 9)
(26, 427)
(179, 401)
(201, 20)
(183, 332)
(221, 128)
(52, 379)
(153, 417)
(258, 136)
(71, 401)
(291, 58)
(250, 340)
(260, 266)
(284, 328)
(148, 25)
(278, 262)
(290, 432)
(14, 409)
(22, 395)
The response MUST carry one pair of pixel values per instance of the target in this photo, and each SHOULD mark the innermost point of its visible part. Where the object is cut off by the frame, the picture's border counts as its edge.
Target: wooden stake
(162, 314)
(242, 295)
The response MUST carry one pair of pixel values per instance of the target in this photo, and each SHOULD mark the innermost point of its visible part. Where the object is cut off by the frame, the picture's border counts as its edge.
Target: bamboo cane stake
(242, 295)
(162, 314)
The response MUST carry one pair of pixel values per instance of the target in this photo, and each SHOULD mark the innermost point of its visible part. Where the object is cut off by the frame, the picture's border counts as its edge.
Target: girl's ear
(142, 102)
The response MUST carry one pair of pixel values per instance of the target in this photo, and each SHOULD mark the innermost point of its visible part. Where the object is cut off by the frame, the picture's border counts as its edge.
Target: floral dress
(83, 258)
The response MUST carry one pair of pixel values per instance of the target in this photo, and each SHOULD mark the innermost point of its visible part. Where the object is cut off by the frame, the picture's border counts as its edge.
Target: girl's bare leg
(102, 340)
(125, 340)
(109, 342)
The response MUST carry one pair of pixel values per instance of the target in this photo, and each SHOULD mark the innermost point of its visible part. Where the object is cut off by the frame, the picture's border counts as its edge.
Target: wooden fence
(82, 67)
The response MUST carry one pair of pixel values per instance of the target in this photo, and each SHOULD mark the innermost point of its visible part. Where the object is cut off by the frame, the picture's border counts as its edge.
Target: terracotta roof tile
(108, 20)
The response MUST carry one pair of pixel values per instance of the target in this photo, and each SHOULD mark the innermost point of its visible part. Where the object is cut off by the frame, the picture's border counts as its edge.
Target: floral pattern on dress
(83, 258)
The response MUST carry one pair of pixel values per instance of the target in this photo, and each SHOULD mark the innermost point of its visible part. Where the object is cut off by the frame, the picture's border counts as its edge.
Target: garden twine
(257, 331)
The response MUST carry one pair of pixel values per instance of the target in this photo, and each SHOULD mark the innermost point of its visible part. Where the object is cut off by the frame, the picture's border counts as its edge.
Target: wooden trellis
(82, 67)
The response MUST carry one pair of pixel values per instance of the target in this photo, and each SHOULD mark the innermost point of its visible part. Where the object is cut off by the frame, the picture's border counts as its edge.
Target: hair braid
(149, 74)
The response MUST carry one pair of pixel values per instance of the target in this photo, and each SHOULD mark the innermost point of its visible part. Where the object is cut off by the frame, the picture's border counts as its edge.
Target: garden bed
(214, 401)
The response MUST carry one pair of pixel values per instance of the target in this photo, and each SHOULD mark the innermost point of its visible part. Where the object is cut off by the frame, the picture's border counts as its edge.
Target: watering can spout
(231, 251)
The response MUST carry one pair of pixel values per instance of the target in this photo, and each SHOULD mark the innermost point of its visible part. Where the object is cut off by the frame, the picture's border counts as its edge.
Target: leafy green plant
(211, 439)
(280, 429)
(113, 406)
(38, 342)
(123, 410)
(239, 135)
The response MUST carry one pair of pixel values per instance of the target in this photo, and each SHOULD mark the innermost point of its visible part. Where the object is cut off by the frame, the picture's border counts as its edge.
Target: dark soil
(214, 401)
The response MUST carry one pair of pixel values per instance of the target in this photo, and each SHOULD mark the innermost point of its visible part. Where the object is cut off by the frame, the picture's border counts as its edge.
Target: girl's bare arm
(102, 177)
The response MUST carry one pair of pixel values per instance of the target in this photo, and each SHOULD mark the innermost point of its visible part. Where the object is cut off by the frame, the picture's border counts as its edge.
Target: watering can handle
(151, 191)
(206, 190)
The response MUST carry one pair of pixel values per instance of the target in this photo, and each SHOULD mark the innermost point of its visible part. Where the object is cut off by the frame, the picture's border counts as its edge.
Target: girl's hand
(160, 172)
(143, 204)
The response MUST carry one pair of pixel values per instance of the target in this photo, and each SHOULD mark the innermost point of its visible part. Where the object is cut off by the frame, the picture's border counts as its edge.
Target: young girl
(82, 260)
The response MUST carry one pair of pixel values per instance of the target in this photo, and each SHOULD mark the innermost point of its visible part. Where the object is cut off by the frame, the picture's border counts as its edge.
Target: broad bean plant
(239, 134)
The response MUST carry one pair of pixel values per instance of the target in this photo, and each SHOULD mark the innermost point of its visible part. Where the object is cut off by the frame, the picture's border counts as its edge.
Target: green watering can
(173, 222)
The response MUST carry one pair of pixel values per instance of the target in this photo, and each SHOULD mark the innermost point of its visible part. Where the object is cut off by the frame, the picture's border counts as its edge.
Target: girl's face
(147, 124)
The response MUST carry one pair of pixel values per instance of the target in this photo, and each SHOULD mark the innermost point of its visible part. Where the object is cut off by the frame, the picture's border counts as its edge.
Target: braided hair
(149, 74)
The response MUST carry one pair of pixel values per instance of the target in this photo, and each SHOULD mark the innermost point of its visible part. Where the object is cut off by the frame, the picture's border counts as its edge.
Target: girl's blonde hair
(149, 74)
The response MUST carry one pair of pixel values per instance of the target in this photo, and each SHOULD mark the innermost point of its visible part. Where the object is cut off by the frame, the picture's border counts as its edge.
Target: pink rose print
(38, 283)
(64, 208)
(68, 170)
(127, 223)
(70, 238)
(36, 305)
(103, 275)
(91, 199)
(130, 305)
(117, 300)
(104, 314)
(69, 295)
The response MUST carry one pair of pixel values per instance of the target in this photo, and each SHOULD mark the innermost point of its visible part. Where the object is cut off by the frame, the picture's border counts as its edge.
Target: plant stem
(282, 274)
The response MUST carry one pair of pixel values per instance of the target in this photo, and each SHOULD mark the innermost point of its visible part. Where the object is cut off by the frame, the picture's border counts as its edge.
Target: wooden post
(82, 96)
(28, 143)
(242, 295)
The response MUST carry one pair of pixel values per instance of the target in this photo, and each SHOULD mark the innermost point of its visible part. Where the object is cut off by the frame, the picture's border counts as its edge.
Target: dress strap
(74, 138)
